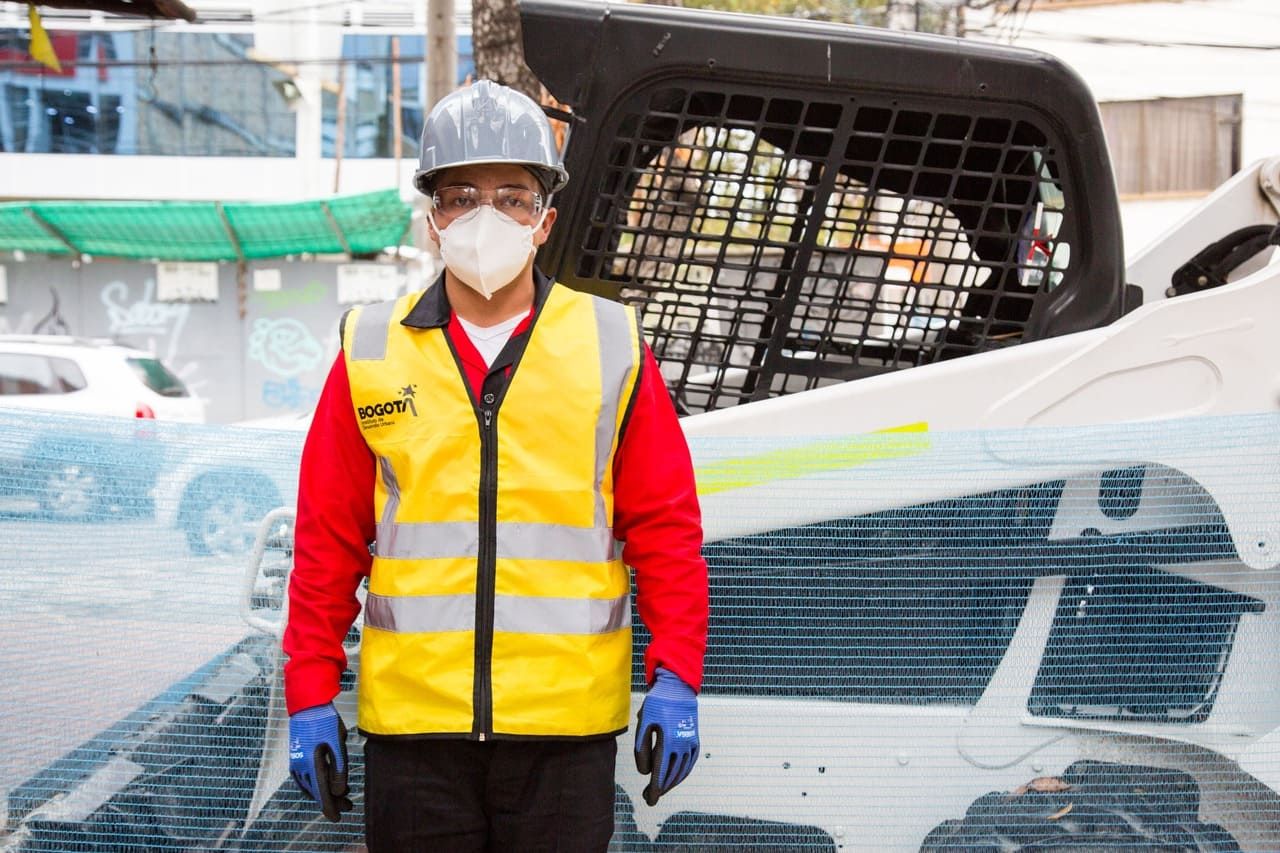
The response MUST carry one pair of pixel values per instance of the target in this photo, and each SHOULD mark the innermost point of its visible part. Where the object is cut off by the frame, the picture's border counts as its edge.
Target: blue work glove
(318, 758)
(667, 734)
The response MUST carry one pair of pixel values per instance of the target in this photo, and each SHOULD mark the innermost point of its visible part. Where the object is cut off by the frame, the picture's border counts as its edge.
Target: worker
(491, 454)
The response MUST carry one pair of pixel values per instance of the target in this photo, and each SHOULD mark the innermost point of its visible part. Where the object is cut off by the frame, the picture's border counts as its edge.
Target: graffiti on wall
(290, 394)
(23, 325)
(313, 294)
(146, 322)
(52, 323)
(211, 347)
(285, 347)
(145, 318)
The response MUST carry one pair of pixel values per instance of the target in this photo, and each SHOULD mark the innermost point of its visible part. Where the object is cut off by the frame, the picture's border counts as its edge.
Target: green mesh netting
(1002, 640)
(19, 231)
(206, 231)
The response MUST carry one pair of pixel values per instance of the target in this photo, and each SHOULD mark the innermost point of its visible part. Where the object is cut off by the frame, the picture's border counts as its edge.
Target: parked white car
(217, 494)
(78, 467)
(58, 373)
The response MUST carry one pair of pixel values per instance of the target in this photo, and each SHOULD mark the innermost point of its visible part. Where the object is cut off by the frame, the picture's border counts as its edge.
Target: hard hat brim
(552, 178)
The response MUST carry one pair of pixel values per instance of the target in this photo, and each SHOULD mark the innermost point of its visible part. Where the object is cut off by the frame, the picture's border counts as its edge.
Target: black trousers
(432, 795)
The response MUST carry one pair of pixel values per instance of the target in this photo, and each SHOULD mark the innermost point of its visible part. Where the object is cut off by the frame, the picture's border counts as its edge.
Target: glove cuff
(669, 685)
(317, 712)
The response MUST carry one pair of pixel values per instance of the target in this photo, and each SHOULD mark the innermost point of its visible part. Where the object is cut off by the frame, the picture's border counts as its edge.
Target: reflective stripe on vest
(518, 540)
(515, 613)
(369, 339)
(612, 324)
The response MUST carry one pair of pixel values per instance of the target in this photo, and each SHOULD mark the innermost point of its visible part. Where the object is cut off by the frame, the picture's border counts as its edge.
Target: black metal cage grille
(775, 244)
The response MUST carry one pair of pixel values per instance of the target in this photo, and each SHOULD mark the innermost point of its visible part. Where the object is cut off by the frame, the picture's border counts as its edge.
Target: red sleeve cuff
(310, 683)
(689, 671)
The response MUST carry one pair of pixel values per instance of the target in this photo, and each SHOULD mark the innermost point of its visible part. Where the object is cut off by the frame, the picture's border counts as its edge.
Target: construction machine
(990, 513)
(965, 527)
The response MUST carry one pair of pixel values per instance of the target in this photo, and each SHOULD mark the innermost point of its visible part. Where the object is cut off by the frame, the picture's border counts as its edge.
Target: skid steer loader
(989, 515)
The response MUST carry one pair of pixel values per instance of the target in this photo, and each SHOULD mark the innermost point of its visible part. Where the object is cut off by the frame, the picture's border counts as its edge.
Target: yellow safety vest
(498, 603)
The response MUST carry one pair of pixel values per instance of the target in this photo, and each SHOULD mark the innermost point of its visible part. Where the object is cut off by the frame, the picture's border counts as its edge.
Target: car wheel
(71, 491)
(223, 514)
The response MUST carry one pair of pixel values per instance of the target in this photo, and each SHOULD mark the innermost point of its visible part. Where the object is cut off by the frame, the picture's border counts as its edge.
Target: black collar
(432, 309)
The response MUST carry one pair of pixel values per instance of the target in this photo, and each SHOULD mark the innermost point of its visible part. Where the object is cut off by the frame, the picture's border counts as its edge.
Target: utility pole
(442, 50)
(397, 119)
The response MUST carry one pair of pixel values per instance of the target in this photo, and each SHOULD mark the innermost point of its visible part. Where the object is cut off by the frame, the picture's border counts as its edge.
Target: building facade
(274, 102)
(271, 102)
(1187, 89)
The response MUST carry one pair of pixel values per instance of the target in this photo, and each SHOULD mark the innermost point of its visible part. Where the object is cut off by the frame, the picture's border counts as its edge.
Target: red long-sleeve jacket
(656, 516)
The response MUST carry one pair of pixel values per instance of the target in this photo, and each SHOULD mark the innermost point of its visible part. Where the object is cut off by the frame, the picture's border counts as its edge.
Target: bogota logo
(390, 407)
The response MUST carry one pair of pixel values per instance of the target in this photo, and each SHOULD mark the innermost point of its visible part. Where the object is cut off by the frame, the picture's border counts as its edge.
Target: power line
(31, 64)
(225, 24)
(1135, 42)
(306, 7)
(310, 7)
(227, 17)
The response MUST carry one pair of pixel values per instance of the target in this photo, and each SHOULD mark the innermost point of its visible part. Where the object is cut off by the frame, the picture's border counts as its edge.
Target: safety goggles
(453, 203)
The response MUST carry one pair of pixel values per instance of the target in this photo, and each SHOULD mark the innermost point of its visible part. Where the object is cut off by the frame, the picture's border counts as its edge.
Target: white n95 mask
(486, 250)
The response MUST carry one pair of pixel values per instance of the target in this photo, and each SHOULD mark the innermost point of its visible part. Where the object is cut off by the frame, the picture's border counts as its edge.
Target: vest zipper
(486, 571)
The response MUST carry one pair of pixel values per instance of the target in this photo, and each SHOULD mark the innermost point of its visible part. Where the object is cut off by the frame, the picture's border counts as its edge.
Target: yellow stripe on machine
(813, 458)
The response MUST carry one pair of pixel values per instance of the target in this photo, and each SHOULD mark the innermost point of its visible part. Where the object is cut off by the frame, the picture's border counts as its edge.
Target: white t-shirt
(489, 340)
